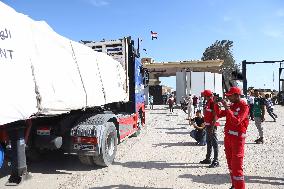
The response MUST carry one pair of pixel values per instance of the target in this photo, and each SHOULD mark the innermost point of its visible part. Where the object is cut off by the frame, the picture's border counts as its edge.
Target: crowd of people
(204, 112)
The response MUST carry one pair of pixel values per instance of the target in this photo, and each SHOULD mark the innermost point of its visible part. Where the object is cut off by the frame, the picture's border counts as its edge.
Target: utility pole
(244, 72)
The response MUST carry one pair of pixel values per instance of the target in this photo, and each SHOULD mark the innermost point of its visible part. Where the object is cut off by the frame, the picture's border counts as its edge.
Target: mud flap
(18, 161)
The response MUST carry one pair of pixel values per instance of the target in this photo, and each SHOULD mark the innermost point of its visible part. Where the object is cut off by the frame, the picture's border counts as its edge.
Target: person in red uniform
(211, 123)
(237, 120)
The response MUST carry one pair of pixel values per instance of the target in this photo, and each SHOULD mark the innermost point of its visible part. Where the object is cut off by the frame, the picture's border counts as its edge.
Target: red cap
(207, 93)
(234, 90)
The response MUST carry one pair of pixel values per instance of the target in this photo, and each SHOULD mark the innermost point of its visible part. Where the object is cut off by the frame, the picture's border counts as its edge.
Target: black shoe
(214, 164)
(206, 161)
(232, 187)
(257, 140)
(260, 141)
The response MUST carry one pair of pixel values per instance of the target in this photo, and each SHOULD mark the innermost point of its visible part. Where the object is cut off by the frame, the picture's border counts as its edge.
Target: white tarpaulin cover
(43, 72)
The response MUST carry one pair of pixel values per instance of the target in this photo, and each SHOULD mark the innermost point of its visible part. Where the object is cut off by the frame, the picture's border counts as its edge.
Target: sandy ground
(165, 156)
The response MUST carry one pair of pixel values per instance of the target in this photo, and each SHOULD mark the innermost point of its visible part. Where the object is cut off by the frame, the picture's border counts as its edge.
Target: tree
(222, 50)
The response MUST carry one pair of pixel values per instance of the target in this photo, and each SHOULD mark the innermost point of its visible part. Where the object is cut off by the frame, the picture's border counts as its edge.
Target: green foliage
(222, 50)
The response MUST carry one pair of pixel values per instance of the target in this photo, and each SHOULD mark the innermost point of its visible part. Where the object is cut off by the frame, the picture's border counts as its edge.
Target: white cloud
(227, 18)
(274, 33)
(236, 23)
(98, 3)
(241, 28)
(280, 13)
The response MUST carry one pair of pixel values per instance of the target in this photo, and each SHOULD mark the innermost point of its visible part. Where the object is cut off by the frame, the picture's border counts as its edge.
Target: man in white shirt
(190, 108)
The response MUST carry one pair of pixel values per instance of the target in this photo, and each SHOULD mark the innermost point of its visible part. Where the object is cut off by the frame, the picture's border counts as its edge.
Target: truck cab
(128, 118)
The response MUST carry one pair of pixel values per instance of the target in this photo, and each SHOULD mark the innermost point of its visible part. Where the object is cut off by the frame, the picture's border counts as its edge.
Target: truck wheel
(108, 147)
(1, 155)
(86, 160)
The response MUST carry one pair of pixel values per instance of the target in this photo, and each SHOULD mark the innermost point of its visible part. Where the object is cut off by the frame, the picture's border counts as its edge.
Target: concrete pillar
(188, 83)
(213, 81)
(197, 83)
(180, 85)
(218, 84)
(209, 81)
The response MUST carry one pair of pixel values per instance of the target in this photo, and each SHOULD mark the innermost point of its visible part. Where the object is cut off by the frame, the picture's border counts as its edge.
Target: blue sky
(185, 27)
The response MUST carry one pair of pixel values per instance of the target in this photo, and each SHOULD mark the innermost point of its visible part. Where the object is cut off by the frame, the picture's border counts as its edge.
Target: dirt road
(165, 156)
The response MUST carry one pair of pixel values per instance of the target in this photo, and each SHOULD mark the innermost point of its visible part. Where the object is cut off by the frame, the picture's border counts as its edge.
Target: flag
(154, 35)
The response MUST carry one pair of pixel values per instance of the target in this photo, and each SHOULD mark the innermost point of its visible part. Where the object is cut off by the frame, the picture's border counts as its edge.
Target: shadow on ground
(251, 143)
(219, 179)
(60, 164)
(171, 129)
(172, 115)
(178, 144)
(162, 108)
(158, 113)
(124, 187)
(53, 163)
(168, 145)
(160, 165)
(178, 133)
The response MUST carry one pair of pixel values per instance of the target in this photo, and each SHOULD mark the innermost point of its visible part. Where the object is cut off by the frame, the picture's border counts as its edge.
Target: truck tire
(86, 160)
(2, 155)
(108, 147)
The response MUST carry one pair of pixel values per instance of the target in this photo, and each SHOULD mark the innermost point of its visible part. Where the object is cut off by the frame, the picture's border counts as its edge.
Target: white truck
(60, 94)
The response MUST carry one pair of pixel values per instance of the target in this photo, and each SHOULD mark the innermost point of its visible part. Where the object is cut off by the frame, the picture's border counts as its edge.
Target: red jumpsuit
(237, 120)
(209, 108)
